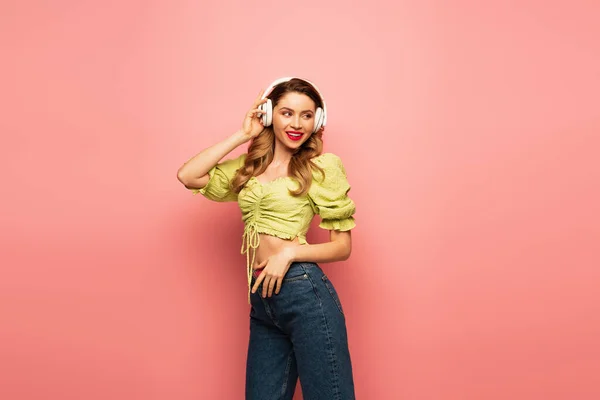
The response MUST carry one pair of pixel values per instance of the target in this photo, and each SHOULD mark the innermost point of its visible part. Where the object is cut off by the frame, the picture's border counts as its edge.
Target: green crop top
(269, 208)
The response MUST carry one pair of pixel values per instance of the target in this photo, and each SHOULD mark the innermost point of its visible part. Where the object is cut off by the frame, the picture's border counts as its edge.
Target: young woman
(297, 325)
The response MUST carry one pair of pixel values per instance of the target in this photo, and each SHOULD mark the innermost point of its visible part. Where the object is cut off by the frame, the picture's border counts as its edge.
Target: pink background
(470, 132)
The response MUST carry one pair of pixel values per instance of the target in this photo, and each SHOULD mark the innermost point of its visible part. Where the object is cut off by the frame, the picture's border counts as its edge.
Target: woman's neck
(281, 155)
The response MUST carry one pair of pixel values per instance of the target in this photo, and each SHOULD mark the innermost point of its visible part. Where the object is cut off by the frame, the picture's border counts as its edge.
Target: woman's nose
(296, 122)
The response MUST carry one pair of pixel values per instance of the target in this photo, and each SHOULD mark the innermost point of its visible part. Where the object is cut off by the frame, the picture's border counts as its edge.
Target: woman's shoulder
(327, 160)
(329, 190)
(332, 167)
(242, 157)
(229, 166)
(235, 162)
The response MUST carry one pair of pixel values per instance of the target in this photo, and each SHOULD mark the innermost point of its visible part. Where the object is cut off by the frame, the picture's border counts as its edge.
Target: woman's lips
(294, 135)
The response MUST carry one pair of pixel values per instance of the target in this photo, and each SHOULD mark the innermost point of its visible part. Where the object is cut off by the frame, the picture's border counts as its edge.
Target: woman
(297, 325)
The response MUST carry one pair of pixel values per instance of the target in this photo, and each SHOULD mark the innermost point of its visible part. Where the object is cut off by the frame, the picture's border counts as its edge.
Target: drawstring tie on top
(250, 242)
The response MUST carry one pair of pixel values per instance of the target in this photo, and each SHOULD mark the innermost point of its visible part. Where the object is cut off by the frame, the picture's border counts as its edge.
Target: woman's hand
(275, 268)
(252, 125)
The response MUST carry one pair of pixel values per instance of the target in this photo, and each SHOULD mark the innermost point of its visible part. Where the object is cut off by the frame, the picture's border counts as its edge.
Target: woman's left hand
(275, 268)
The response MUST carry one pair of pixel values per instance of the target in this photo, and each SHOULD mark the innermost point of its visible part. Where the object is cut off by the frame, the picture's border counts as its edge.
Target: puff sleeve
(329, 195)
(220, 176)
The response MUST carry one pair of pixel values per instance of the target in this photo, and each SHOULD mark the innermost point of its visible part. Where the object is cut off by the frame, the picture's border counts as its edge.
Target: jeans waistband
(303, 265)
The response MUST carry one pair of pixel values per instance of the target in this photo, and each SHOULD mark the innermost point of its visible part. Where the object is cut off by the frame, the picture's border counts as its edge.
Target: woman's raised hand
(252, 125)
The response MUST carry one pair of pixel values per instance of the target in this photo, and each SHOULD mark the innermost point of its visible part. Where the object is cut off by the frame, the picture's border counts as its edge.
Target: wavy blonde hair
(262, 148)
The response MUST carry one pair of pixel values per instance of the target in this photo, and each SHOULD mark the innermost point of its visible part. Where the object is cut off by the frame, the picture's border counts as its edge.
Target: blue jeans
(299, 333)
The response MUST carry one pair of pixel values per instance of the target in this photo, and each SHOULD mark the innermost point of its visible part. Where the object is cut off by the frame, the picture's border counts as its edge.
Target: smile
(294, 135)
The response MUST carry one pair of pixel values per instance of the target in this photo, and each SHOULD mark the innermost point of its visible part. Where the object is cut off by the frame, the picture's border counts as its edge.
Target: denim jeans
(299, 333)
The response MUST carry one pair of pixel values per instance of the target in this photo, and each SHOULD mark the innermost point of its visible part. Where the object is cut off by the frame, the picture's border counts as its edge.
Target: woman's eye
(287, 113)
(307, 116)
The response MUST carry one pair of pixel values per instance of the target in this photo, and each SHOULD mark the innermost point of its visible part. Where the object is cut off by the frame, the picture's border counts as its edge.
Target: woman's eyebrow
(287, 108)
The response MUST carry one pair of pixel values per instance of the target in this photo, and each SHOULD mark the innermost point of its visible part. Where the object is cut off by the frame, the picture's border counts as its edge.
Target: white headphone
(267, 108)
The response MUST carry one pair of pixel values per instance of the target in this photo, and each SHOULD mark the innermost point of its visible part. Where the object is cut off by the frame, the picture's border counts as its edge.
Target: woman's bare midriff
(270, 245)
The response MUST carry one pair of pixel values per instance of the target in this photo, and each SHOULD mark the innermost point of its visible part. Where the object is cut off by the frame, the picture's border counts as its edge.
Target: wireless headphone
(267, 108)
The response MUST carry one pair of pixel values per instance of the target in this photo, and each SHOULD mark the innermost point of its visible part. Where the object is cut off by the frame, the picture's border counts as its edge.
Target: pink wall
(469, 132)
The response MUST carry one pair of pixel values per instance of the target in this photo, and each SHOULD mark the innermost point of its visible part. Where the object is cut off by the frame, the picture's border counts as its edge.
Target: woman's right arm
(194, 173)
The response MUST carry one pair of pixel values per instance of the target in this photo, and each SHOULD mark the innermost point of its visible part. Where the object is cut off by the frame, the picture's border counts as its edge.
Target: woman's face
(293, 119)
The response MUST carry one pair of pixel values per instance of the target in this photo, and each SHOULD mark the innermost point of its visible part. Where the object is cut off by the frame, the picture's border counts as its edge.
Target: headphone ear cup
(267, 116)
(269, 107)
(318, 119)
(263, 116)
